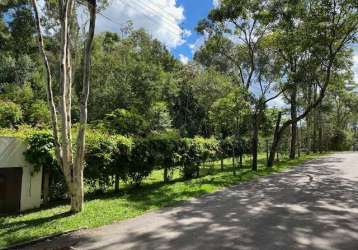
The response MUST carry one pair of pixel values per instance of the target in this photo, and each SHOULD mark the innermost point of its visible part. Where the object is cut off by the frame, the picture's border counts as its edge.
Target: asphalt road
(314, 206)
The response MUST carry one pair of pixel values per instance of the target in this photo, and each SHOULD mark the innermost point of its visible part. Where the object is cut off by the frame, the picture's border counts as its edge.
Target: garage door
(10, 190)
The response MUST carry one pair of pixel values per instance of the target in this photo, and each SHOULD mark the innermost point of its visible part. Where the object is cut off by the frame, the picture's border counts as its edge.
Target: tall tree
(239, 33)
(71, 163)
(327, 28)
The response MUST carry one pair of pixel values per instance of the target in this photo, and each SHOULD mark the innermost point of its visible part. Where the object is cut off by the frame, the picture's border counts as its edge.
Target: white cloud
(184, 59)
(355, 66)
(198, 43)
(160, 18)
(187, 33)
(216, 3)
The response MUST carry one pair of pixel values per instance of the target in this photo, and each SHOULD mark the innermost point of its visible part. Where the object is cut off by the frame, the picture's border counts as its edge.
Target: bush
(10, 114)
(165, 152)
(340, 141)
(38, 113)
(234, 146)
(121, 158)
(40, 153)
(126, 122)
(142, 160)
(195, 151)
(98, 160)
(110, 159)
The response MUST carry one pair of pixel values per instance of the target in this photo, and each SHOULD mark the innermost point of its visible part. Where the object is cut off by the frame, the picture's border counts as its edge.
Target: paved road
(314, 206)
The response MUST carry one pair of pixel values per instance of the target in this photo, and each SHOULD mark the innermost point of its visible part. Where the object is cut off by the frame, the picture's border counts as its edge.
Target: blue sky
(194, 11)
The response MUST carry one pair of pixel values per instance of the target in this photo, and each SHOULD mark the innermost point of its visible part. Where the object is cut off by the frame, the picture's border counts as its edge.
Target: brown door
(10, 189)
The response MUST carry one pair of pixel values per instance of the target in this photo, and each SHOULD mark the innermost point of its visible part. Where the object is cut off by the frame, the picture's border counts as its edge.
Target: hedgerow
(114, 158)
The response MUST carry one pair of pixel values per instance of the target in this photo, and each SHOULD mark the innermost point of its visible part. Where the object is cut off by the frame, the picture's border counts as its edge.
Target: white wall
(11, 156)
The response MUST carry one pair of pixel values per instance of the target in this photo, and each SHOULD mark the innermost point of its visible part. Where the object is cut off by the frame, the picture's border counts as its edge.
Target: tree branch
(50, 99)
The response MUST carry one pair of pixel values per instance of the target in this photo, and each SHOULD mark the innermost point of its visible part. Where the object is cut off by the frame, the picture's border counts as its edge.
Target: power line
(122, 24)
(150, 18)
(101, 14)
(165, 19)
(158, 8)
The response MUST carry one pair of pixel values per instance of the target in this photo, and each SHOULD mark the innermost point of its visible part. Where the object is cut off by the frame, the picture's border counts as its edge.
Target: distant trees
(273, 48)
(239, 44)
(326, 30)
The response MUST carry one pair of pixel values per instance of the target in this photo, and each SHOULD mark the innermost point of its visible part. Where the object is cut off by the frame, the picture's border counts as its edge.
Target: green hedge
(110, 159)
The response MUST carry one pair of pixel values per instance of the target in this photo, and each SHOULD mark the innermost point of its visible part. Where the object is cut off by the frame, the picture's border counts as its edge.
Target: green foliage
(160, 119)
(195, 151)
(121, 161)
(99, 158)
(22, 29)
(128, 72)
(228, 113)
(39, 153)
(7, 68)
(22, 132)
(234, 146)
(126, 122)
(38, 113)
(10, 114)
(142, 160)
(165, 151)
(340, 141)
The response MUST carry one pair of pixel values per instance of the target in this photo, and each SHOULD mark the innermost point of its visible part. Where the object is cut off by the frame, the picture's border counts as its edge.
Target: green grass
(109, 208)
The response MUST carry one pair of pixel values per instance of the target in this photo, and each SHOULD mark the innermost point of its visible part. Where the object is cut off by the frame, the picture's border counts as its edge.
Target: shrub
(99, 159)
(165, 151)
(126, 122)
(195, 151)
(142, 160)
(10, 114)
(340, 141)
(38, 113)
(208, 148)
(40, 153)
(121, 158)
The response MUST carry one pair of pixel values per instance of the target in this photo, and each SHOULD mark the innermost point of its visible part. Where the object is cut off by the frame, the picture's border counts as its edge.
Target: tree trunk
(320, 130)
(45, 186)
(77, 204)
(233, 161)
(255, 141)
(222, 163)
(165, 175)
(77, 195)
(116, 183)
(50, 98)
(72, 169)
(275, 142)
(279, 131)
(299, 138)
(293, 147)
(315, 121)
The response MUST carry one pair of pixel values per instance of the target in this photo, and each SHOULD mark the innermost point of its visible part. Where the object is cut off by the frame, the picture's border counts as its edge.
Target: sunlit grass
(131, 202)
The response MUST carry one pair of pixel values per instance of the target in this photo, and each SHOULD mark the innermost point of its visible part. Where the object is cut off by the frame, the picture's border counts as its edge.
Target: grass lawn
(109, 208)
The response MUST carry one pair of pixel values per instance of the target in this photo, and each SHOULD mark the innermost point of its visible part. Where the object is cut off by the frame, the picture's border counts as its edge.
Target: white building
(20, 186)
